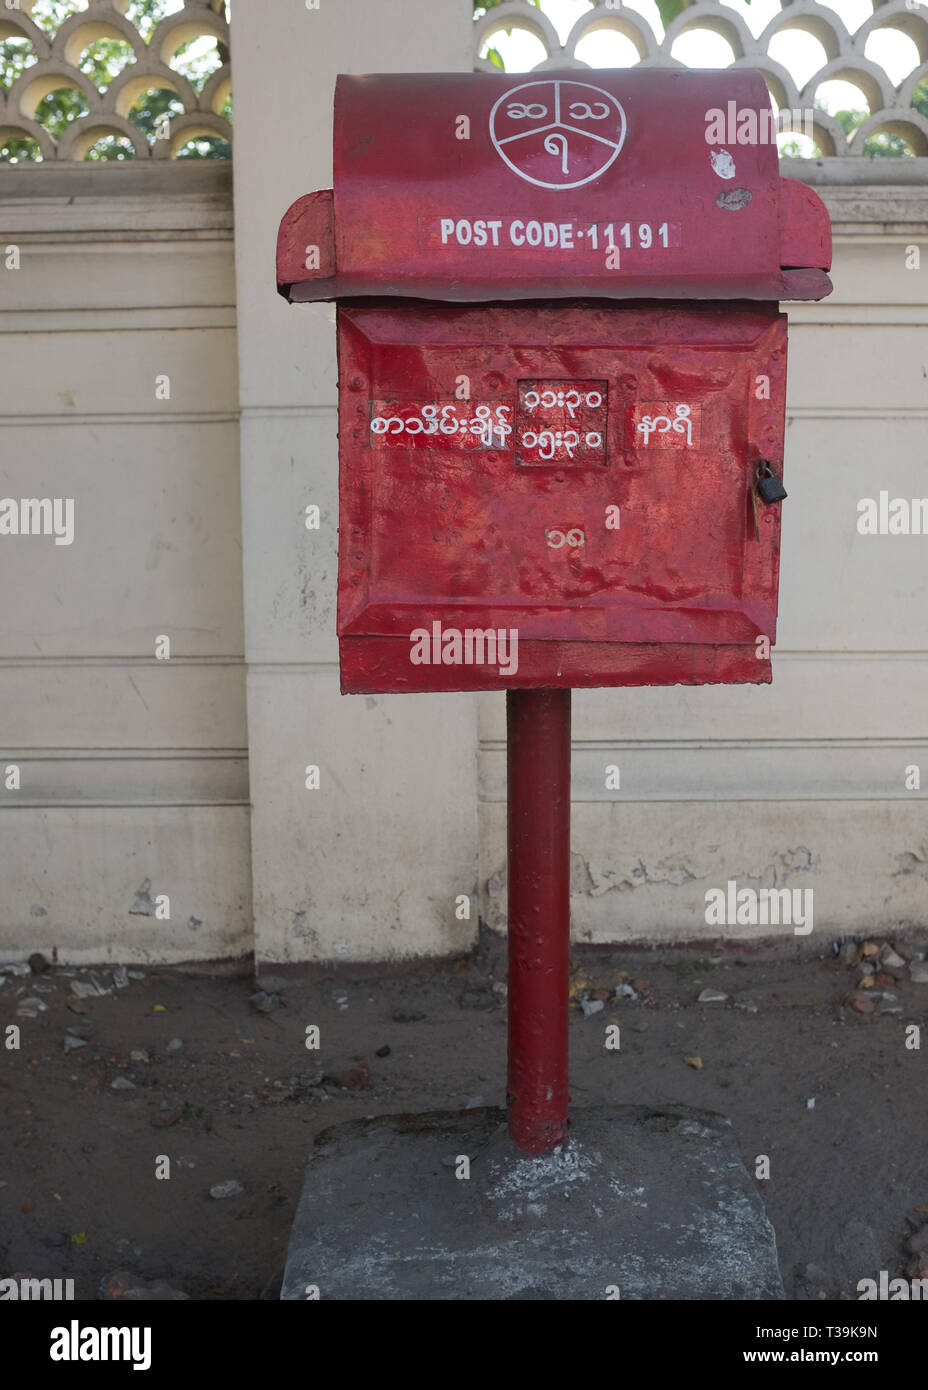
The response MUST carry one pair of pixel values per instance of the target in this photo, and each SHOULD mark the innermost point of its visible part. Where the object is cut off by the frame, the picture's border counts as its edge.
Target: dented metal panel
(588, 501)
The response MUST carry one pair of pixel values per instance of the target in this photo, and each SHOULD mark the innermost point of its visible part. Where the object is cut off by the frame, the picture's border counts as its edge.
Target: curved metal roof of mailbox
(605, 183)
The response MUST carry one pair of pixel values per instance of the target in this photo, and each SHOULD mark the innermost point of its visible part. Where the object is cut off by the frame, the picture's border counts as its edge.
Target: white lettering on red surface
(681, 423)
(432, 425)
(561, 422)
(550, 422)
(569, 235)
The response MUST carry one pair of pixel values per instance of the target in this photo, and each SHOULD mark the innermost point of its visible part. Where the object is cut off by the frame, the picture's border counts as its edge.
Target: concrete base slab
(640, 1203)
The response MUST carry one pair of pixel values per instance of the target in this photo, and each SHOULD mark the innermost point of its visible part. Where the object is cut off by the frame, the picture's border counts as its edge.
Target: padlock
(769, 487)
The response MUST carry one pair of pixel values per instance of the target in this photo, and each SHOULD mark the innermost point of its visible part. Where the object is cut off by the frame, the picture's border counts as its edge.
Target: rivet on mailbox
(563, 365)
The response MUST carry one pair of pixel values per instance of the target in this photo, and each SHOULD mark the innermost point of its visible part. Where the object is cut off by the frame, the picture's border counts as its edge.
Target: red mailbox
(554, 475)
(562, 377)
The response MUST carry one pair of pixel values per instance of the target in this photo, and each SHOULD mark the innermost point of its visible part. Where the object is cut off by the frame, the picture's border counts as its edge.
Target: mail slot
(562, 372)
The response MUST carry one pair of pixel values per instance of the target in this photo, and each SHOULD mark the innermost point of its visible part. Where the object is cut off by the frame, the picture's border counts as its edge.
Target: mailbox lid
(598, 183)
(633, 536)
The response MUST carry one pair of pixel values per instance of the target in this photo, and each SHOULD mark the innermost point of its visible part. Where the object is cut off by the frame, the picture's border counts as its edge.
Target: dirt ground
(241, 1098)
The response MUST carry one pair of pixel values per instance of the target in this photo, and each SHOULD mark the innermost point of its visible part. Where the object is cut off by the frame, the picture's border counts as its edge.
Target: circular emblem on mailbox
(557, 134)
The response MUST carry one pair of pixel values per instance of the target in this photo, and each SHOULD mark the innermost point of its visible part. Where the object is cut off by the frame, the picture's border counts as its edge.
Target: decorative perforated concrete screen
(114, 79)
(879, 47)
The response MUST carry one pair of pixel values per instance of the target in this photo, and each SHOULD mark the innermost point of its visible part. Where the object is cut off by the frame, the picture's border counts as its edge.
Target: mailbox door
(538, 496)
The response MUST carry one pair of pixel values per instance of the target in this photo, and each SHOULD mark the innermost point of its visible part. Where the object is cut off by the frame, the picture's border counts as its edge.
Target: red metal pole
(538, 729)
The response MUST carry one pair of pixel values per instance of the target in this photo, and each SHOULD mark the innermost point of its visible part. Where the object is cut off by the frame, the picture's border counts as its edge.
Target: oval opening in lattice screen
(700, 48)
(197, 60)
(520, 51)
(894, 52)
(799, 53)
(606, 49)
(103, 60)
(110, 147)
(205, 147)
(151, 110)
(15, 149)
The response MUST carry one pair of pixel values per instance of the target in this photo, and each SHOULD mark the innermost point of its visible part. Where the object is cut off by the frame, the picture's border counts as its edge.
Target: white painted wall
(136, 771)
(369, 865)
(133, 770)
